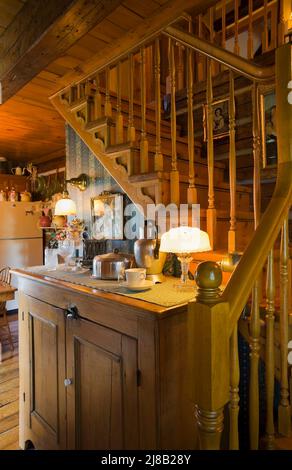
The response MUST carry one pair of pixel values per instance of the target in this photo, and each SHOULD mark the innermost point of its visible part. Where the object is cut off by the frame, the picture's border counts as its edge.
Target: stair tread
(152, 150)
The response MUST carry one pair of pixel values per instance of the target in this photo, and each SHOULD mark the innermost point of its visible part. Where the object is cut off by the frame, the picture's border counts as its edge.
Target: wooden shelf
(19, 183)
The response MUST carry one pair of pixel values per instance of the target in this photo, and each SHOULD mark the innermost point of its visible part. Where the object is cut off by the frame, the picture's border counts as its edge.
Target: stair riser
(222, 198)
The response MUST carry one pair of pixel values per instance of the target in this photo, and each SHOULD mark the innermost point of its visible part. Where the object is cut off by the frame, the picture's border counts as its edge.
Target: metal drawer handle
(68, 382)
(72, 312)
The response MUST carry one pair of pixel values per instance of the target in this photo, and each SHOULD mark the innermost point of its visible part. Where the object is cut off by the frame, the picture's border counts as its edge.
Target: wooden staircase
(122, 159)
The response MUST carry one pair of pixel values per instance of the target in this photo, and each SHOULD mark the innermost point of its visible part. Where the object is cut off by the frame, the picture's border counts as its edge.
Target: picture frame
(107, 216)
(268, 126)
(220, 119)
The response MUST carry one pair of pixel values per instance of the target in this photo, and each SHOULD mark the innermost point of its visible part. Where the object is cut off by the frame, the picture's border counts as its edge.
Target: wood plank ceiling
(30, 128)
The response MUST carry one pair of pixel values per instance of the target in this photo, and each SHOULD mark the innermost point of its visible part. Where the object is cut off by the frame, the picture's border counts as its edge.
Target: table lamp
(183, 241)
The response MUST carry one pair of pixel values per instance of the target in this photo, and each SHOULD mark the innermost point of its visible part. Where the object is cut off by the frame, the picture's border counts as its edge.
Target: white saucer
(146, 285)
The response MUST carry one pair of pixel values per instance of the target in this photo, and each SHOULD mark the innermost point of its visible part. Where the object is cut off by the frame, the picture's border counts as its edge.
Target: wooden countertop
(98, 294)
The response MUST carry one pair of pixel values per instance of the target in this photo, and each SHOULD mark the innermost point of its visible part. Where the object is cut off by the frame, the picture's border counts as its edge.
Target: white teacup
(135, 276)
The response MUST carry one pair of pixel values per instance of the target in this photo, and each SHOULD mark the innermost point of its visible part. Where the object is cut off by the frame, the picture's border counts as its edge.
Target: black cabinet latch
(72, 312)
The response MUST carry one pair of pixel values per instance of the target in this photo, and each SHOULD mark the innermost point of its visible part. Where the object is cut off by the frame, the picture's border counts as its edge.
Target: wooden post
(232, 167)
(97, 99)
(180, 67)
(284, 413)
(144, 163)
(256, 155)
(119, 117)
(158, 164)
(131, 127)
(250, 37)
(236, 43)
(254, 369)
(192, 192)
(265, 41)
(174, 174)
(211, 211)
(208, 339)
(107, 104)
(223, 39)
(270, 359)
(200, 58)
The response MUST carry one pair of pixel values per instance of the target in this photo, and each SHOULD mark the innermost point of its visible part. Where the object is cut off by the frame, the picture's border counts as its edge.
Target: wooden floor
(9, 390)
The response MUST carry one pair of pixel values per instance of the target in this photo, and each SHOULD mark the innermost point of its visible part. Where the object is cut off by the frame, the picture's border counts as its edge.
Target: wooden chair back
(5, 275)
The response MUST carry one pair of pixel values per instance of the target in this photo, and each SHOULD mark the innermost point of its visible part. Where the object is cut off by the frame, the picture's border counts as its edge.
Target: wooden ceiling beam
(42, 31)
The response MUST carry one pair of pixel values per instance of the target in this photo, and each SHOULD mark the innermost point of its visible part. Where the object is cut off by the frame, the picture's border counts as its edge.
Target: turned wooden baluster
(214, 65)
(158, 163)
(250, 36)
(211, 211)
(282, 22)
(192, 192)
(131, 127)
(78, 91)
(265, 41)
(223, 40)
(119, 115)
(97, 99)
(256, 154)
(180, 67)
(234, 391)
(254, 369)
(284, 414)
(200, 59)
(107, 103)
(232, 167)
(270, 359)
(223, 36)
(209, 339)
(236, 43)
(174, 174)
(144, 162)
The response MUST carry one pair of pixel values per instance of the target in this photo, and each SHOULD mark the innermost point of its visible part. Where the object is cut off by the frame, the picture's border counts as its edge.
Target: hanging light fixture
(65, 206)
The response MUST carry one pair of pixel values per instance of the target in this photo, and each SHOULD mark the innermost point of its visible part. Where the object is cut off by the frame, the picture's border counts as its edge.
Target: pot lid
(114, 256)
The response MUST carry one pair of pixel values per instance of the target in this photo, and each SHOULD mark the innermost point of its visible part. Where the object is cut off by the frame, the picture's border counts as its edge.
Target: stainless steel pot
(108, 266)
(147, 255)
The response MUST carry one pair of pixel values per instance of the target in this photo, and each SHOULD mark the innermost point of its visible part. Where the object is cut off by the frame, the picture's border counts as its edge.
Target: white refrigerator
(21, 240)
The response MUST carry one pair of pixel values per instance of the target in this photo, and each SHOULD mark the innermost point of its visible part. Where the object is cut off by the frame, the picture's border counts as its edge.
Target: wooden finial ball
(208, 275)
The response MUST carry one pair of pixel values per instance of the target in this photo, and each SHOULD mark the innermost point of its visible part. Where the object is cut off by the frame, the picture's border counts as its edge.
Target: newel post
(208, 358)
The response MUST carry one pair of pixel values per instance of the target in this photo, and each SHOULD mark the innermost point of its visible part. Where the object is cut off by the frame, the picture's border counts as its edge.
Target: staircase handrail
(229, 59)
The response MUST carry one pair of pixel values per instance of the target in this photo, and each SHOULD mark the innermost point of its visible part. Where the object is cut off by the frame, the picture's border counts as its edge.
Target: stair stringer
(117, 171)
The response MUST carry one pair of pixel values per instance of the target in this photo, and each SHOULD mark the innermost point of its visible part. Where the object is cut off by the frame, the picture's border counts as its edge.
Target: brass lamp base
(156, 278)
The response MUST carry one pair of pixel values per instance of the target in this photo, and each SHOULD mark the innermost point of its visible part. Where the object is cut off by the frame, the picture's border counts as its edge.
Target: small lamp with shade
(183, 241)
(65, 206)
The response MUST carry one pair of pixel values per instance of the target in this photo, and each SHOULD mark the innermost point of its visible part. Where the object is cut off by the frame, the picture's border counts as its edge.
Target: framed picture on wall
(268, 126)
(220, 113)
(107, 215)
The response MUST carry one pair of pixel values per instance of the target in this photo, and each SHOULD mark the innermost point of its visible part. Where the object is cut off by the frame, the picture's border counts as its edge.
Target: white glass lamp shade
(65, 206)
(185, 240)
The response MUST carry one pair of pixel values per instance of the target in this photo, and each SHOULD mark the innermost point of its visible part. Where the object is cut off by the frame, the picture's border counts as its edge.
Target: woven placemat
(164, 294)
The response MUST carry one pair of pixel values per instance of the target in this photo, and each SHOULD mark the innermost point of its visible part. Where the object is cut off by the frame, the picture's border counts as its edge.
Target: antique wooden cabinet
(101, 371)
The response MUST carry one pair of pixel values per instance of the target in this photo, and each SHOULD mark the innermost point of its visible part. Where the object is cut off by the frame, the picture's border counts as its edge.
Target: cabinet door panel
(96, 399)
(45, 406)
